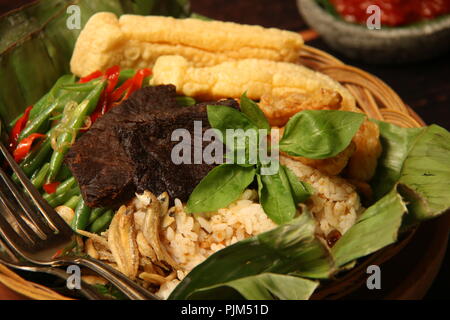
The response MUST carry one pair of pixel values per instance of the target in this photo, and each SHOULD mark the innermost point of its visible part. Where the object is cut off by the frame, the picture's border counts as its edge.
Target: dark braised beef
(129, 149)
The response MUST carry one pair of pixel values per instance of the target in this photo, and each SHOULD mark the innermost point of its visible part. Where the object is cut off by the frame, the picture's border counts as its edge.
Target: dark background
(423, 86)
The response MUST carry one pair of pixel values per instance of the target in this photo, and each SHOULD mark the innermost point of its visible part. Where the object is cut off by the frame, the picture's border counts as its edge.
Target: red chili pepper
(18, 128)
(138, 79)
(51, 187)
(57, 254)
(111, 97)
(112, 74)
(92, 76)
(118, 93)
(24, 146)
(95, 115)
(112, 77)
(131, 85)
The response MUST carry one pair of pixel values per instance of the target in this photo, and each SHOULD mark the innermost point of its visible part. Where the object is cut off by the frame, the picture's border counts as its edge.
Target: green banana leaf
(376, 228)
(291, 247)
(36, 45)
(265, 286)
(418, 160)
(397, 143)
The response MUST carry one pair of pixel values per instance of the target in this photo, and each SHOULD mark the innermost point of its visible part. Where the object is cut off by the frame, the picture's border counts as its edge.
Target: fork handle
(127, 286)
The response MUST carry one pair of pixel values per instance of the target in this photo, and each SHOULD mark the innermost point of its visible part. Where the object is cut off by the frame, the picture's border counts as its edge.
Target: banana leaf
(376, 228)
(265, 286)
(412, 184)
(36, 45)
(291, 247)
(418, 161)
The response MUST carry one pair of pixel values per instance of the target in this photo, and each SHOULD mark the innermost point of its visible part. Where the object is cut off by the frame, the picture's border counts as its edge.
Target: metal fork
(10, 259)
(38, 234)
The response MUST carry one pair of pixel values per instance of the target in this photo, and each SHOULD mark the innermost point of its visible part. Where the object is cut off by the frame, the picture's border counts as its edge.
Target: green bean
(37, 106)
(57, 200)
(65, 186)
(125, 75)
(64, 99)
(51, 96)
(37, 123)
(39, 179)
(41, 103)
(35, 159)
(89, 86)
(102, 223)
(97, 212)
(75, 123)
(57, 117)
(185, 101)
(61, 189)
(35, 173)
(82, 214)
(72, 202)
(46, 99)
(64, 173)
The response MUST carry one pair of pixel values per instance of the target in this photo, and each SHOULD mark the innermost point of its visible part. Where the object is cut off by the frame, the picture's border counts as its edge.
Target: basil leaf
(276, 198)
(254, 113)
(223, 185)
(301, 191)
(320, 134)
(376, 228)
(222, 118)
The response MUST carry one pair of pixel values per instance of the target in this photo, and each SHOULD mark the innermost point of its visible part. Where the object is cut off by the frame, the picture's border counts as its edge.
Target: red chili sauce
(393, 12)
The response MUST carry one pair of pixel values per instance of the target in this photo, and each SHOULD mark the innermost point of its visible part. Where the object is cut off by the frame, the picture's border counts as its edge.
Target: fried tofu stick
(137, 41)
(233, 78)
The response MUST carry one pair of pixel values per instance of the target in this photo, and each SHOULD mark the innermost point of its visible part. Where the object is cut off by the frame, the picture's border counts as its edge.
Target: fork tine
(17, 218)
(53, 218)
(11, 236)
(8, 250)
(34, 221)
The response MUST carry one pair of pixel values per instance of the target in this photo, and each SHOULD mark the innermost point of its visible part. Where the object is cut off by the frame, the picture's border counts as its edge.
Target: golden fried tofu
(231, 79)
(279, 109)
(133, 41)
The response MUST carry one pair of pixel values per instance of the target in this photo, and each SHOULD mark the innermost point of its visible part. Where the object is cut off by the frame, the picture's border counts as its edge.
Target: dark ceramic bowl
(387, 45)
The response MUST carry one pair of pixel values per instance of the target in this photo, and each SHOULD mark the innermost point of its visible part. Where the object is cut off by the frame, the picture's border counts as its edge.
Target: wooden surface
(424, 86)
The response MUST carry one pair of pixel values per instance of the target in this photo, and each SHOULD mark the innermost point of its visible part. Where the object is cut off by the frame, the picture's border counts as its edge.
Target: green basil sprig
(315, 134)
(320, 134)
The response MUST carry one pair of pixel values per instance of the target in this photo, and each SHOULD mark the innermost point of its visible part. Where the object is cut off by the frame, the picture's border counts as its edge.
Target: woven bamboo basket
(379, 102)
